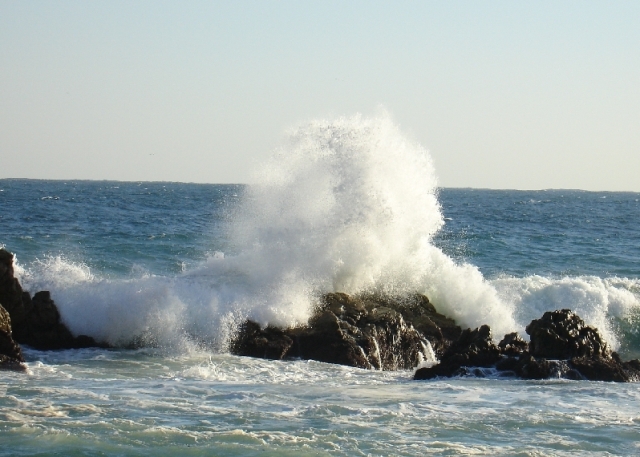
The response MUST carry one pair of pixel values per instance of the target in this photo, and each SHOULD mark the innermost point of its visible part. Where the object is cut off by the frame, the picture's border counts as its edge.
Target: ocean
(347, 205)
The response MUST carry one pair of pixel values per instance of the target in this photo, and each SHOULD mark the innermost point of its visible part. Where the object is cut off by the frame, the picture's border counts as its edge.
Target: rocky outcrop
(10, 353)
(35, 321)
(11, 293)
(366, 332)
(561, 345)
(474, 349)
(440, 330)
(397, 333)
(563, 335)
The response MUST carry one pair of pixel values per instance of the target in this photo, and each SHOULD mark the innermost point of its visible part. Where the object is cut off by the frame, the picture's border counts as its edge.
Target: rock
(603, 369)
(269, 343)
(474, 348)
(10, 353)
(366, 332)
(42, 328)
(11, 293)
(632, 367)
(563, 335)
(35, 321)
(440, 330)
(513, 344)
(561, 346)
(529, 367)
(386, 333)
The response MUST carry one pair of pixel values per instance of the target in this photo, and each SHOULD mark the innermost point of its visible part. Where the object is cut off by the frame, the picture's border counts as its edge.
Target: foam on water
(98, 401)
(607, 303)
(346, 205)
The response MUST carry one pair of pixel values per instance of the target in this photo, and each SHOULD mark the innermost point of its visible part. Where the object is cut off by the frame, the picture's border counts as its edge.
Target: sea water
(346, 205)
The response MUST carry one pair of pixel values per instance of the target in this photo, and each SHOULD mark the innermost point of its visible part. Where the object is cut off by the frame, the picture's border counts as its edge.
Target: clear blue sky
(504, 94)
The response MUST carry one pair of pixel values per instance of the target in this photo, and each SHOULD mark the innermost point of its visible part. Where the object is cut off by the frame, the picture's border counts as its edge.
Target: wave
(610, 304)
(346, 205)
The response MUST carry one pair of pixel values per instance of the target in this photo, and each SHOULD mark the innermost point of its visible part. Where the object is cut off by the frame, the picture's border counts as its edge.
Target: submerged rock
(366, 332)
(35, 321)
(561, 346)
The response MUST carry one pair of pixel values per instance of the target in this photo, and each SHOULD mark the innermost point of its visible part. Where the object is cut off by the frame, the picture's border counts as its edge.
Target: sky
(503, 94)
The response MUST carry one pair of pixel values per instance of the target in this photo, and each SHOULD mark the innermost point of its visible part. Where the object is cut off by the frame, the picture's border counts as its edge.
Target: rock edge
(33, 321)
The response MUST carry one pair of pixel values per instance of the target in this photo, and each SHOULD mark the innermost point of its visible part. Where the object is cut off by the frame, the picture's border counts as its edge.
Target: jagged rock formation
(474, 348)
(563, 335)
(561, 345)
(10, 353)
(34, 321)
(366, 332)
(389, 333)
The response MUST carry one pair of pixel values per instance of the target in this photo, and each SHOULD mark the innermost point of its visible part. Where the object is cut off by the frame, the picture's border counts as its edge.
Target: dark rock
(440, 370)
(563, 335)
(42, 328)
(513, 344)
(632, 367)
(602, 369)
(562, 346)
(35, 321)
(474, 348)
(11, 293)
(10, 353)
(268, 343)
(367, 332)
(530, 367)
(437, 328)
(333, 340)
(508, 364)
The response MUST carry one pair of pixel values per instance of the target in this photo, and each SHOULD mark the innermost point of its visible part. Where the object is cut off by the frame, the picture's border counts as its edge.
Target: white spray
(345, 205)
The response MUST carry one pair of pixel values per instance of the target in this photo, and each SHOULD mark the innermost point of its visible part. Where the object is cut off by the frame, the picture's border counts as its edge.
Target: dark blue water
(113, 226)
(548, 232)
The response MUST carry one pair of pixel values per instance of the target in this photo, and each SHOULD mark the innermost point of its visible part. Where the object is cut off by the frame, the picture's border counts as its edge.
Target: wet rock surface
(398, 333)
(35, 321)
(367, 332)
(563, 335)
(10, 352)
(561, 346)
